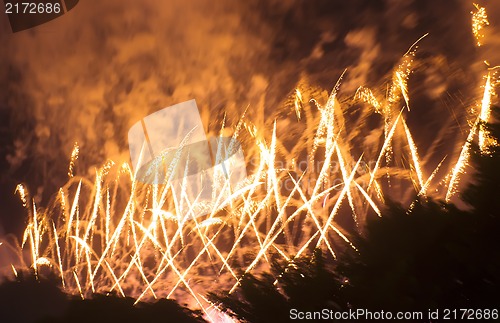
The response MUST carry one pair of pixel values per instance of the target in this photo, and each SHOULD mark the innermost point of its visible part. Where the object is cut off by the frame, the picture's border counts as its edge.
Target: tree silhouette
(434, 255)
(483, 194)
(425, 258)
(431, 255)
(305, 284)
(30, 299)
(105, 309)
(27, 299)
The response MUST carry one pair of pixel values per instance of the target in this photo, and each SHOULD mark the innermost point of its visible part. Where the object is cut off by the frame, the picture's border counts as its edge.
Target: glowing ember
(479, 22)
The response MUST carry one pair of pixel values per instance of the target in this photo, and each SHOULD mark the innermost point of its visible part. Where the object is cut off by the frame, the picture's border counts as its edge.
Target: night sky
(89, 75)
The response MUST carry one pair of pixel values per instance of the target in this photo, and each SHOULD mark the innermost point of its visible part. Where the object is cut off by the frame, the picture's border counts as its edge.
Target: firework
(116, 234)
(479, 22)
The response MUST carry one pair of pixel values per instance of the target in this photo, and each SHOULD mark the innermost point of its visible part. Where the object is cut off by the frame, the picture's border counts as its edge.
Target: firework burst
(117, 235)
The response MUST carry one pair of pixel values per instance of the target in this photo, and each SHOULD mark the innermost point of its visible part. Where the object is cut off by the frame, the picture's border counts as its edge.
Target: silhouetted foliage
(483, 193)
(483, 196)
(426, 258)
(29, 299)
(434, 255)
(105, 309)
(306, 284)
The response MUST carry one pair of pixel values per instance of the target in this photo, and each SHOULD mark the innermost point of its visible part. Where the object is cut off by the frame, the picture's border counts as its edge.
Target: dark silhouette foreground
(31, 300)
